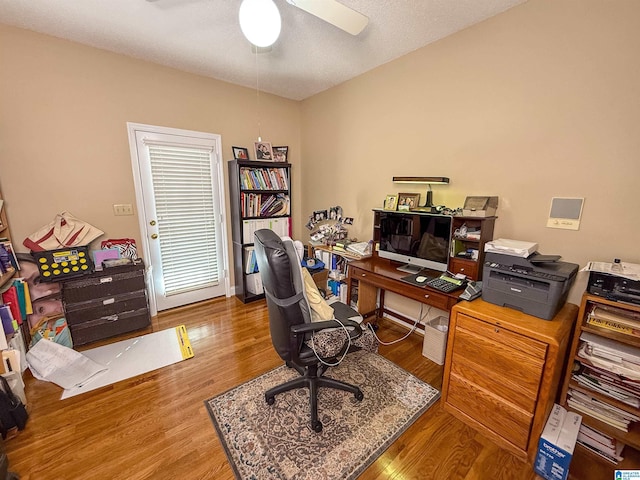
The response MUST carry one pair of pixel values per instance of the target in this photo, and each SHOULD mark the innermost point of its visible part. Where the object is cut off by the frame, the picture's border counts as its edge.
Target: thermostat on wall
(565, 213)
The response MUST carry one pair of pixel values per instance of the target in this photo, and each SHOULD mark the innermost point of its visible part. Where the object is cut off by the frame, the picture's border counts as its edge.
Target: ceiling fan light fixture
(260, 22)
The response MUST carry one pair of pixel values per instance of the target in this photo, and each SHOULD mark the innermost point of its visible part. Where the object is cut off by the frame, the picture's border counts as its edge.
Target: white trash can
(434, 345)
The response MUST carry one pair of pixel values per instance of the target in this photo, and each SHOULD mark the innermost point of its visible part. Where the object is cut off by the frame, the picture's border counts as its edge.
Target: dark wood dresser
(106, 303)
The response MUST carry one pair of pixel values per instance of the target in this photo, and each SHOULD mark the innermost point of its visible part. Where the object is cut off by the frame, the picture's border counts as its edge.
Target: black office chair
(290, 322)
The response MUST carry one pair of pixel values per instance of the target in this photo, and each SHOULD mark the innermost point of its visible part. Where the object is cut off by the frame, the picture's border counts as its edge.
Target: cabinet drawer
(504, 419)
(103, 285)
(81, 312)
(509, 373)
(498, 334)
(105, 327)
(464, 266)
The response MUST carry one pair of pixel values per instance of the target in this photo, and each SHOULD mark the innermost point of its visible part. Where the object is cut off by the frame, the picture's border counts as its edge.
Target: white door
(180, 197)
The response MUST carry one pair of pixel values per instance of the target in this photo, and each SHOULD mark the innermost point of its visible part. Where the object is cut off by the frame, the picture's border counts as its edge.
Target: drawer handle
(426, 296)
(106, 279)
(462, 269)
(363, 274)
(497, 330)
(108, 301)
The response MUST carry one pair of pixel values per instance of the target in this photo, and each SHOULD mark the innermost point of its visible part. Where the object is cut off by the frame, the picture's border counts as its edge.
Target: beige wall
(63, 133)
(540, 101)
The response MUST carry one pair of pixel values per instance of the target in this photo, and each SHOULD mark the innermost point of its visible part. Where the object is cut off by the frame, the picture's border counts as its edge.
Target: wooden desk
(378, 273)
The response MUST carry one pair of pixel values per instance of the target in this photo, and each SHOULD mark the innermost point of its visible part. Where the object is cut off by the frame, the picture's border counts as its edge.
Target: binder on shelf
(254, 284)
(279, 225)
(250, 262)
(10, 298)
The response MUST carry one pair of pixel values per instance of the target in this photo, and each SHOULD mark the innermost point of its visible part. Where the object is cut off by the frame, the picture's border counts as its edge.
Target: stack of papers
(361, 248)
(515, 248)
(600, 444)
(611, 355)
(622, 269)
(602, 411)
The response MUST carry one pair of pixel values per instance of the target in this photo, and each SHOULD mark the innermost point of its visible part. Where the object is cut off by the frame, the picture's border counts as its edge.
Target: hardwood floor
(156, 426)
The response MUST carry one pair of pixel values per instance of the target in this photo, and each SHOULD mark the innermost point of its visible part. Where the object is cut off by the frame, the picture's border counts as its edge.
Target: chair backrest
(280, 271)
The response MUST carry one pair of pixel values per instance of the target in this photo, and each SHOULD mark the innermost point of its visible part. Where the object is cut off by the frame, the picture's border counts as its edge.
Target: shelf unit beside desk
(324, 276)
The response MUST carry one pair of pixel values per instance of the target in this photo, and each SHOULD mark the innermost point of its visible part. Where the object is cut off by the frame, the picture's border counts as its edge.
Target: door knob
(154, 236)
(152, 223)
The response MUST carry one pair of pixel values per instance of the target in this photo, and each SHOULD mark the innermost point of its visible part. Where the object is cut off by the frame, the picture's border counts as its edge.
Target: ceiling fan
(335, 13)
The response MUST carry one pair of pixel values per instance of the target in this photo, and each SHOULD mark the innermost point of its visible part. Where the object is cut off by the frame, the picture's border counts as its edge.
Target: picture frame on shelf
(280, 154)
(264, 151)
(391, 202)
(407, 201)
(240, 153)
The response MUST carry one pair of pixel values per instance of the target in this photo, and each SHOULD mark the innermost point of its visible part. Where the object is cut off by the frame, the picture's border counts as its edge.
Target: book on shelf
(601, 443)
(250, 261)
(617, 325)
(263, 178)
(613, 459)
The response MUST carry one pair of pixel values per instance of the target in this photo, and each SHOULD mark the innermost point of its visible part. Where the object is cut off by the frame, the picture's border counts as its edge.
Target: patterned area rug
(276, 442)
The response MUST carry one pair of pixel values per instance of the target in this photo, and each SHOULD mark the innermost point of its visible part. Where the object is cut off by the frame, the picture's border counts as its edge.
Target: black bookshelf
(251, 185)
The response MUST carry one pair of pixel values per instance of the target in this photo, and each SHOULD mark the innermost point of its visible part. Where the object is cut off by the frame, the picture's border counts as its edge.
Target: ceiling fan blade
(334, 13)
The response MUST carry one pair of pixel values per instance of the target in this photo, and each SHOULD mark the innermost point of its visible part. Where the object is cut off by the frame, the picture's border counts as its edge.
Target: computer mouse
(421, 279)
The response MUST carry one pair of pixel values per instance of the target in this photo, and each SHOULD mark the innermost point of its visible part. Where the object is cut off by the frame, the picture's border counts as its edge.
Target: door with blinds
(180, 199)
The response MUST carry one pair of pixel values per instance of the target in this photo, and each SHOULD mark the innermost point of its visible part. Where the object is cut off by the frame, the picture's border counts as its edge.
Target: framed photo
(409, 200)
(391, 202)
(280, 154)
(320, 215)
(240, 153)
(264, 151)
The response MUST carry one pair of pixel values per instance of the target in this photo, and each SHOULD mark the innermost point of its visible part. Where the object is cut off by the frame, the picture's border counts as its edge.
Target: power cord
(322, 361)
(413, 329)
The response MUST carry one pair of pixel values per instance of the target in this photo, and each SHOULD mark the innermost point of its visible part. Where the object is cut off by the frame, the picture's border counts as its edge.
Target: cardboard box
(434, 345)
(555, 448)
(480, 206)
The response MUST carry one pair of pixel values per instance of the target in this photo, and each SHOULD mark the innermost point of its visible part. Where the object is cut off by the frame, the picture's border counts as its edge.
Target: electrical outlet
(123, 209)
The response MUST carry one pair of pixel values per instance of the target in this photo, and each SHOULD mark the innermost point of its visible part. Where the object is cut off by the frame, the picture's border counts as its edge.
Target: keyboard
(445, 285)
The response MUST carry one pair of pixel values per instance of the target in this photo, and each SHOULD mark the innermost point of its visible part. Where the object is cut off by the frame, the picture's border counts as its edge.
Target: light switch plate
(122, 209)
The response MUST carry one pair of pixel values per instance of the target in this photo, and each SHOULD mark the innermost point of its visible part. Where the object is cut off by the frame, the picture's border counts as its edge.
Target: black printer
(537, 285)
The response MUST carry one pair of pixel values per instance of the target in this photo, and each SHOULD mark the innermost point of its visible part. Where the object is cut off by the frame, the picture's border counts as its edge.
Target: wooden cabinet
(260, 196)
(106, 303)
(468, 236)
(631, 438)
(503, 370)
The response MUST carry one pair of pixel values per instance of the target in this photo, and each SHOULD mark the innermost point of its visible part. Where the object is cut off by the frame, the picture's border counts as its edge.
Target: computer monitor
(416, 239)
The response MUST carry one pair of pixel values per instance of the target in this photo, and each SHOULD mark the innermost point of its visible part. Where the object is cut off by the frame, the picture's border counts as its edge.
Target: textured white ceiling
(204, 37)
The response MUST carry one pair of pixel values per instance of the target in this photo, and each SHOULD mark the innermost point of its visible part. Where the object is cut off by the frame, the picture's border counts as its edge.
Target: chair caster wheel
(359, 395)
(317, 426)
(270, 400)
